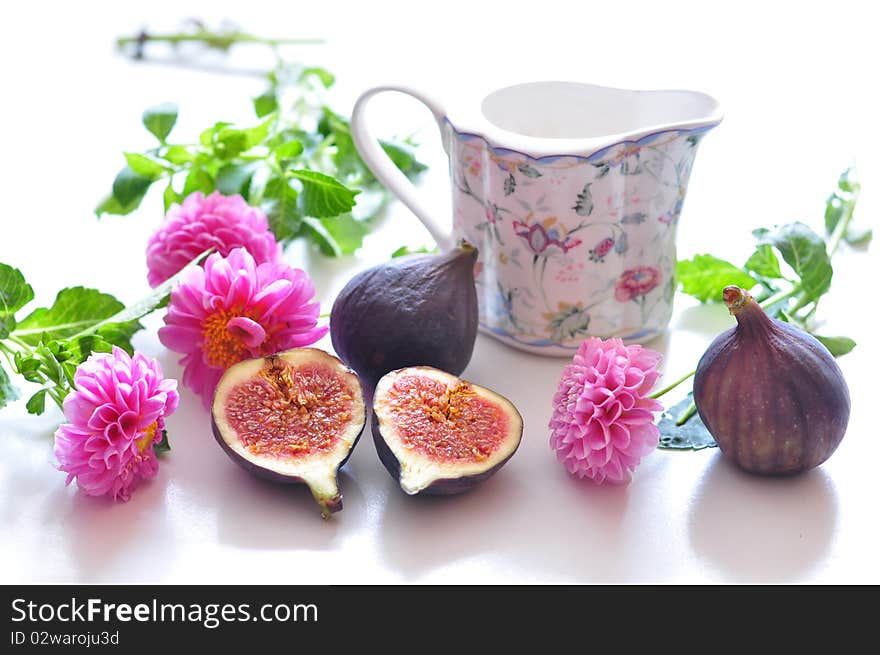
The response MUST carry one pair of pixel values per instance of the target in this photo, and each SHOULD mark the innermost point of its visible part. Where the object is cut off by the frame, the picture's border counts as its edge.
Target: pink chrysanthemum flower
(202, 222)
(233, 309)
(602, 423)
(116, 413)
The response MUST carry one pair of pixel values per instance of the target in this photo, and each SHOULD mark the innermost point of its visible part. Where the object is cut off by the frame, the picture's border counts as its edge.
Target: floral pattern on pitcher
(574, 246)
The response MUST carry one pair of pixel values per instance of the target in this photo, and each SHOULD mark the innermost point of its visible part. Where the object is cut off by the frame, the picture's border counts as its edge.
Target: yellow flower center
(149, 434)
(222, 347)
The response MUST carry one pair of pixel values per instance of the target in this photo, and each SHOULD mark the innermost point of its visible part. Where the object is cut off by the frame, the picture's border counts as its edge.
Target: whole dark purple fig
(437, 434)
(771, 395)
(417, 309)
(293, 417)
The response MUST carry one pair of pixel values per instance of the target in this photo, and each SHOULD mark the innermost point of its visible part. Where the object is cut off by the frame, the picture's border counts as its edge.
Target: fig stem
(672, 386)
(685, 416)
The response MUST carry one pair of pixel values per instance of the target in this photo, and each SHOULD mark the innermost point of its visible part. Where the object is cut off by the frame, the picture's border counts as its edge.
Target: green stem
(685, 416)
(672, 386)
(214, 39)
(779, 297)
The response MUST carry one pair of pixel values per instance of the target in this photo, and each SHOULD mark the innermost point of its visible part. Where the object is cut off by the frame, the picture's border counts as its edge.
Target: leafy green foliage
(160, 120)
(323, 196)
(15, 293)
(791, 295)
(75, 309)
(705, 276)
(298, 163)
(804, 251)
(840, 206)
(764, 263)
(8, 391)
(407, 250)
(837, 346)
(46, 346)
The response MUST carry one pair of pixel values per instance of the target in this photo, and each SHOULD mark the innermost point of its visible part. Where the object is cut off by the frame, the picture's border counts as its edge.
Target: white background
(798, 85)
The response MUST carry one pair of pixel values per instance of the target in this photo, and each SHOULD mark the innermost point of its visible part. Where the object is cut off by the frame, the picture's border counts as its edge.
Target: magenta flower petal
(238, 309)
(603, 422)
(200, 222)
(115, 414)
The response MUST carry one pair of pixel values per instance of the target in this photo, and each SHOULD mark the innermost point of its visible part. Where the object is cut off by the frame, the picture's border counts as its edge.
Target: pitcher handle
(378, 161)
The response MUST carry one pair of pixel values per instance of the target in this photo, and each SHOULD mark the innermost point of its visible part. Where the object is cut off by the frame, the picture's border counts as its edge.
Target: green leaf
(15, 293)
(323, 196)
(198, 179)
(169, 196)
(74, 309)
(858, 236)
(693, 435)
(208, 137)
(403, 158)
(289, 150)
(837, 346)
(347, 232)
(282, 209)
(705, 277)
(319, 235)
(265, 103)
(8, 391)
(764, 263)
(804, 251)
(160, 119)
(132, 313)
(163, 446)
(178, 155)
(406, 250)
(37, 403)
(129, 188)
(834, 209)
(848, 181)
(257, 134)
(230, 142)
(144, 166)
(234, 178)
(326, 77)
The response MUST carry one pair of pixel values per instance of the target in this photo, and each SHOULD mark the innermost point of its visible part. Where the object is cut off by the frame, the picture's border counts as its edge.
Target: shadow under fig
(579, 541)
(756, 528)
(261, 514)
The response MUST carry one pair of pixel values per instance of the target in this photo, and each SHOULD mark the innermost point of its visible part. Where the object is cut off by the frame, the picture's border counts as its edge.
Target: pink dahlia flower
(116, 413)
(216, 221)
(234, 309)
(603, 422)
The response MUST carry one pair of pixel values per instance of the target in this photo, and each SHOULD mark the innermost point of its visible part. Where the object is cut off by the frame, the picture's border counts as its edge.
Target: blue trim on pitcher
(597, 155)
(547, 343)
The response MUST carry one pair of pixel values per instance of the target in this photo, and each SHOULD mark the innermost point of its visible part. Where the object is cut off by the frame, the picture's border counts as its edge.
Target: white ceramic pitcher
(572, 194)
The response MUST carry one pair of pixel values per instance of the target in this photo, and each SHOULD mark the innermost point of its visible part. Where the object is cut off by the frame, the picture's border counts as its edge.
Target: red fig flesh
(292, 417)
(771, 395)
(438, 434)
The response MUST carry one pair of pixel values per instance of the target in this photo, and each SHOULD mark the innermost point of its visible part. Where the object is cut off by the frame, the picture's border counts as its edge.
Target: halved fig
(293, 417)
(438, 434)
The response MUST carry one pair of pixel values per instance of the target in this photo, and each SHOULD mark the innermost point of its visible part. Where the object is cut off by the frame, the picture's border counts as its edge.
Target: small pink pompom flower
(234, 309)
(116, 413)
(202, 222)
(603, 422)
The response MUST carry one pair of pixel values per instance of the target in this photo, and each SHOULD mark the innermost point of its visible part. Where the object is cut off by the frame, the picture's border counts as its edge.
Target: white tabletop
(798, 110)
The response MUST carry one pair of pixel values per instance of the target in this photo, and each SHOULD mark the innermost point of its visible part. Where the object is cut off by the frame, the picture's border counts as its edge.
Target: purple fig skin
(441, 487)
(412, 310)
(772, 396)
